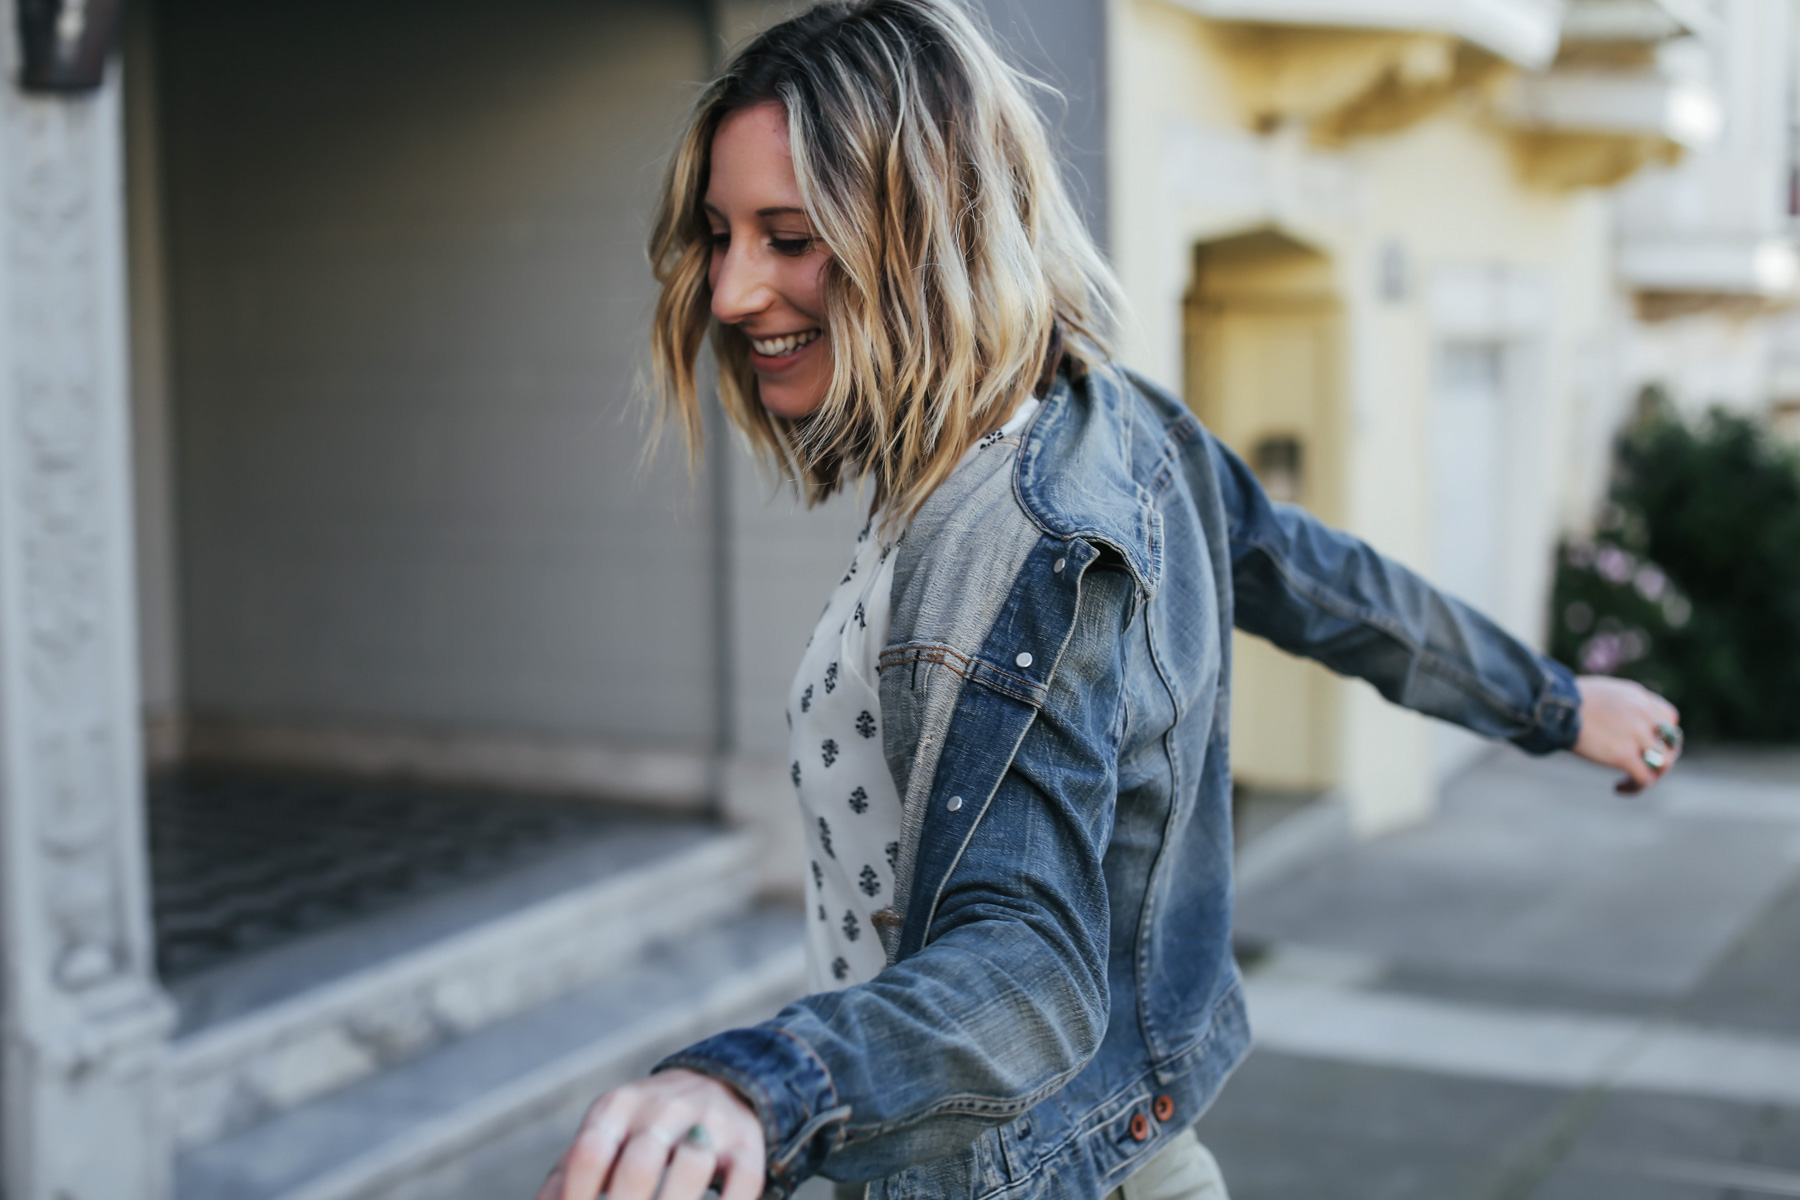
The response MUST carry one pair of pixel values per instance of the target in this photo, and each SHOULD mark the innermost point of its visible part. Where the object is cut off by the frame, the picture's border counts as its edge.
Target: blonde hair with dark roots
(954, 247)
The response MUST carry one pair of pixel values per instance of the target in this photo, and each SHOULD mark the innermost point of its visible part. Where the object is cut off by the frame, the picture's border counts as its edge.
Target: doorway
(1265, 372)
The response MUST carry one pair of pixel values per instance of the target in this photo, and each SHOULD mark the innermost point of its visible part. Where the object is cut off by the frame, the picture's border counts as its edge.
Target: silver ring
(1670, 734)
(698, 1138)
(1655, 759)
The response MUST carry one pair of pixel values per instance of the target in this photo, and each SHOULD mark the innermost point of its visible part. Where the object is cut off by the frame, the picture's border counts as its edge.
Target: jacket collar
(1075, 475)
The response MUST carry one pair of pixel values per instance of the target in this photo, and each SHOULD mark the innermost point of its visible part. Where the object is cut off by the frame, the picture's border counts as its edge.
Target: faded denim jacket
(1061, 997)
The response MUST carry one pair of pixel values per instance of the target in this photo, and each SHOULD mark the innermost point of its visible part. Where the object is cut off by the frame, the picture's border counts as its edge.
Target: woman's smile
(770, 354)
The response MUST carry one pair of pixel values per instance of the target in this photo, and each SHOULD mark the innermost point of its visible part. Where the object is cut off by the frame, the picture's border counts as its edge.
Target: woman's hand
(640, 1136)
(1620, 721)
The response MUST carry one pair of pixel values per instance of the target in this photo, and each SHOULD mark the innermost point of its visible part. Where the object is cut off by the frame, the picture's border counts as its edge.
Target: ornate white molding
(84, 1024)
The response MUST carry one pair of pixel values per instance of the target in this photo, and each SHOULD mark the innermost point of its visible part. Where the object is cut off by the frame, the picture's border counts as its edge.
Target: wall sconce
(64, 44)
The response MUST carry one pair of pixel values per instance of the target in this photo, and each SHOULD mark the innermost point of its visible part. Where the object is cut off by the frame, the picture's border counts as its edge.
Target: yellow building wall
(1433, 237)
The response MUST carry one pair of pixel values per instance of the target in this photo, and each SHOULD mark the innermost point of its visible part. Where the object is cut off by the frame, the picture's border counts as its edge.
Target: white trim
(1525, 32)
(669, 776)
(1635, 103)
(1725, 265)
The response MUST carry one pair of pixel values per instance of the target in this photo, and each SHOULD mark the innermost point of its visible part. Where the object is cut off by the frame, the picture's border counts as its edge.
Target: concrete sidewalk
(1549, 991)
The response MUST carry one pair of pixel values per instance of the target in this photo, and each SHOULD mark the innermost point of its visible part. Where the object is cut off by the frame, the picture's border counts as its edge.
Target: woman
(1009, 729)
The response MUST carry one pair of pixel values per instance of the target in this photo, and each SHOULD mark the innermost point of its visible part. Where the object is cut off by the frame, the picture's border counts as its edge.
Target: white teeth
(778, 347)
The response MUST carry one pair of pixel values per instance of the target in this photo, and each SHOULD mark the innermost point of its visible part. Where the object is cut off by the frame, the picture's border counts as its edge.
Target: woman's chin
(789, 401)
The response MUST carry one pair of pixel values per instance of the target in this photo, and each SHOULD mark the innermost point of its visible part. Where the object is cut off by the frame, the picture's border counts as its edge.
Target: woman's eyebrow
(780, 212)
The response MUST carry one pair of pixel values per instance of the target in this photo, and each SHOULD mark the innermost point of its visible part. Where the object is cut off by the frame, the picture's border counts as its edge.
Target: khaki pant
(1181, 1170)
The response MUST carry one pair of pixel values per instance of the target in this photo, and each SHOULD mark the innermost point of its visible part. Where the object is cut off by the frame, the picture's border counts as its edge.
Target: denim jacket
(1061, 997)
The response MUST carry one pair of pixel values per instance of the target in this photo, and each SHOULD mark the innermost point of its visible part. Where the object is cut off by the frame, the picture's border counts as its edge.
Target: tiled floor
(243, 862)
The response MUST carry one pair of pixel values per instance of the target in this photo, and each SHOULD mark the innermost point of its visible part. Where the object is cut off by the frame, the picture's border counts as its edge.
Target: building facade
(329, 549)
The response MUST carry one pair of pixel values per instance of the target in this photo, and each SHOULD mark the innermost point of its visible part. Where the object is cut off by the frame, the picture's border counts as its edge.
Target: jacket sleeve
(1007, 998)
(1320, 593)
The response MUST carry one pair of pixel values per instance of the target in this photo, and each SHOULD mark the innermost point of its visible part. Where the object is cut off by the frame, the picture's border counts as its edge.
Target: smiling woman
(766, 268)
(1007, 732)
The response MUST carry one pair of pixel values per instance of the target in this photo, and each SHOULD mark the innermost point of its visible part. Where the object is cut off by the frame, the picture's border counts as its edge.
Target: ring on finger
(698, 1137)
(1670, 734)
(1655, 759)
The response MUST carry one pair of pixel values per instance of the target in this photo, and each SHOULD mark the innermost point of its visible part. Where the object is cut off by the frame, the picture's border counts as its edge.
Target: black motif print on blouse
(893, 856)
(839, 968)
(822, 912)
(831, 677)
(794, 773)
(859, 801)
(865, 723)
(828, 751)
(871, 883)
(852, 930)
(848, 574)
(860, 616)
(864, 535)
(825, 837)
(818, 875)
(806, 699)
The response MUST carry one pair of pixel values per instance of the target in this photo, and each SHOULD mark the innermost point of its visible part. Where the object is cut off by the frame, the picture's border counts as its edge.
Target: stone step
(294, 1024)
(422, 1130)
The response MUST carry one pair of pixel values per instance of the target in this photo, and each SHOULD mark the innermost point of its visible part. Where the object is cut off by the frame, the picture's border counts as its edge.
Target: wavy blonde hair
(956, 256)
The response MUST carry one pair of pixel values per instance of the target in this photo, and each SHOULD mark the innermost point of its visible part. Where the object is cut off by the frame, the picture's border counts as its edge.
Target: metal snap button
(1163, 1108)
(954, 803)
(1024, 660)
(1140, 1128)
(1060, 564)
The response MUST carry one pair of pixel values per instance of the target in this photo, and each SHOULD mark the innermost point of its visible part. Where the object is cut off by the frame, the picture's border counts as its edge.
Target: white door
(1468, 510)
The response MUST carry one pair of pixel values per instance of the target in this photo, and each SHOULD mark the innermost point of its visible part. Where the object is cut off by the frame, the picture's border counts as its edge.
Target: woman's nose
(739, 290)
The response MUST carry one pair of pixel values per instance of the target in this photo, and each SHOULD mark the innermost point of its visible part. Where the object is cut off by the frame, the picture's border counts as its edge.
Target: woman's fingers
(588, 1162)
(1620, 722)
(690, 1172)
(641, 1163)
(638, 1142)
(745, 1175)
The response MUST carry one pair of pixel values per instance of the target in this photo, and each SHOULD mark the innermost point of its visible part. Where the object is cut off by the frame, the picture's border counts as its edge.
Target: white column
(83, 1023)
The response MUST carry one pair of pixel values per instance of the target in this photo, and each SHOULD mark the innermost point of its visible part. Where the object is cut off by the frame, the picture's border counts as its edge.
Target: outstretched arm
(1320, 593)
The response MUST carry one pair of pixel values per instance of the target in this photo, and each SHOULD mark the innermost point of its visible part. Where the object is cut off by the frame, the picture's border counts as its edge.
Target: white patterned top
(847, 796)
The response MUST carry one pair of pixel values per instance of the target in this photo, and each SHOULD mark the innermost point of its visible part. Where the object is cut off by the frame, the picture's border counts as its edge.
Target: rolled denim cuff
(1556, 717)
(789, 1088)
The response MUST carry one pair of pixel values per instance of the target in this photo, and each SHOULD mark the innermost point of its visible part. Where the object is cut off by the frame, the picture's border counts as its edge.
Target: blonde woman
(1009, 728)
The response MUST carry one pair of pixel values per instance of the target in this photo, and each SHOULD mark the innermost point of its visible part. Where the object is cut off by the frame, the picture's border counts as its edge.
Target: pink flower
(1614, 565)
(1601, 654)
(1650, 582)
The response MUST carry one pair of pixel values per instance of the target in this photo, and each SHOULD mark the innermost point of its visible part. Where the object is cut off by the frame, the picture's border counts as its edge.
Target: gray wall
(408, 297)
(1063, 43)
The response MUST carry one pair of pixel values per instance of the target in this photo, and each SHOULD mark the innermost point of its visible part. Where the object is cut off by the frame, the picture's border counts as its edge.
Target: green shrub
(1691, 582)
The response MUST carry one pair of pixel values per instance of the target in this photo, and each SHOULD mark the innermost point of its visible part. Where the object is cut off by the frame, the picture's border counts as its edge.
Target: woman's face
(767, 261)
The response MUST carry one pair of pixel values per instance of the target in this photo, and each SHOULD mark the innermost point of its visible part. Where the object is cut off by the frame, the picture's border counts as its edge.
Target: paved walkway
(1548, 992)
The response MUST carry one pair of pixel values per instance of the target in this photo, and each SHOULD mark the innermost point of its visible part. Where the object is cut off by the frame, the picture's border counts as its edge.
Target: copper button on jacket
(1140, 1128)
(1164, 1108)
